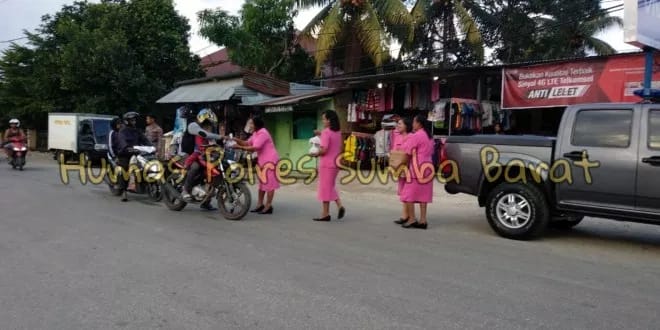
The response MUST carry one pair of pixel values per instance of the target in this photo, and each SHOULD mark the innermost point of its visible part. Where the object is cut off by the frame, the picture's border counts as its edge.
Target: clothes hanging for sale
(389, 98)
(382, 140)
(350, 145)
(435, 91)
(359, 147)
(407, 101)
(487, 116)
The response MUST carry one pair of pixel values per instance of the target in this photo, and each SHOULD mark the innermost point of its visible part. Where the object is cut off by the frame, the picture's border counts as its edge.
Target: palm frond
(419, 12)
(470, 30)
(328, 35)
(601, 23)
(599, 46)
(371, 33)
(317, 21)
(397, 19)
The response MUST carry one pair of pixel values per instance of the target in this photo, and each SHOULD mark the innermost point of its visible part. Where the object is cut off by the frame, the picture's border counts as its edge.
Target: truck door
(86, 136)
(606, 135)
(648, 177)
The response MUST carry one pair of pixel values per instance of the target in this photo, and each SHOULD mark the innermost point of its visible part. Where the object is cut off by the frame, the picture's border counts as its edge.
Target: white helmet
(15, 121)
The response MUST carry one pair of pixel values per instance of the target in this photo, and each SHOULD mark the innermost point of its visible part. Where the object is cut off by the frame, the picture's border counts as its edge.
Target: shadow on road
(599, 232)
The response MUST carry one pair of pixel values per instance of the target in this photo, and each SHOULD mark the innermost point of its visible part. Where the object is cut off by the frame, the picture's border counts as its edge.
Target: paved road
(74, 257)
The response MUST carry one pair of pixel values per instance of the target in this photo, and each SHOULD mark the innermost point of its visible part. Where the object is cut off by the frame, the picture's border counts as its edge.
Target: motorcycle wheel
(113, 190)
(171, 201)
(155, 192)
(236, 209)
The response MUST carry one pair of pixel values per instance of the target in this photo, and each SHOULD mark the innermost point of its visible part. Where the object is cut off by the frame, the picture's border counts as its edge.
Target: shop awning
(214, 91)
(294, 99)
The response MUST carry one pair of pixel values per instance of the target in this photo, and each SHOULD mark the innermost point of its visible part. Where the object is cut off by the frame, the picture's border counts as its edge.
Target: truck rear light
(446, 168)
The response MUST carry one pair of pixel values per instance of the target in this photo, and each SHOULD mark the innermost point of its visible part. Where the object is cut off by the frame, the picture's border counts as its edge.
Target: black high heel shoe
(269, 211)
(327, 218)
(416, 225)
(400, 221)
(258, 209)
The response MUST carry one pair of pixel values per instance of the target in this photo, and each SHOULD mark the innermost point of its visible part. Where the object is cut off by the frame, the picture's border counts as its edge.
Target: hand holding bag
(398, 159)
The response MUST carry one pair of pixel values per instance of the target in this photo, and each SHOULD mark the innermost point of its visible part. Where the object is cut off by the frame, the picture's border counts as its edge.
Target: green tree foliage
(261, 39)
(437, 40)
(569, 27)
(359, 27)
(528, 30)
(100, 58)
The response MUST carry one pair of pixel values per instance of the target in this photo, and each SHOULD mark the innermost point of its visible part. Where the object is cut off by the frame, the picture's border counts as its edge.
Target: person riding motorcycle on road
(129, 137)
(208, 122)
(113, 137)
(12, 132)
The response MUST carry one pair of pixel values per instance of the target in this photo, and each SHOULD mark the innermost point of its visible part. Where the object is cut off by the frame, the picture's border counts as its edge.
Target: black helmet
(131, 115)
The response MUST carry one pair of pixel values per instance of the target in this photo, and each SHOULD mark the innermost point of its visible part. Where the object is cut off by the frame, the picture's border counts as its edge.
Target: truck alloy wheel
(517, 211)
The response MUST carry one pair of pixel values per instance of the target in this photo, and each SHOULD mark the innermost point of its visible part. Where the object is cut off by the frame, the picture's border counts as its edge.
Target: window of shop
(304, 124)
(603, 128)
(654, 129)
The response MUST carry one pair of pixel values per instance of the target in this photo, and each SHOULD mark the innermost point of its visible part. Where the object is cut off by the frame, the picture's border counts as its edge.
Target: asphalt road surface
(74, 257)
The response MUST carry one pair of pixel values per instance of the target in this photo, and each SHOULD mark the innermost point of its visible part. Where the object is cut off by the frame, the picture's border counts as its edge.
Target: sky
(17, 15)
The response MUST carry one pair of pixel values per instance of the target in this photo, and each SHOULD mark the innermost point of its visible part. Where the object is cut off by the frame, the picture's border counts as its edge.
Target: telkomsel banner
(582, 81)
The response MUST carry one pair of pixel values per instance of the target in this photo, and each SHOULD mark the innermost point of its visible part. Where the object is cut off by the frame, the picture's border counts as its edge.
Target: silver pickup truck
(604, 162)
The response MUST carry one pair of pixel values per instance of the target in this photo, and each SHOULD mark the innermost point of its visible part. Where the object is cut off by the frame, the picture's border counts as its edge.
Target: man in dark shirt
(129, 137)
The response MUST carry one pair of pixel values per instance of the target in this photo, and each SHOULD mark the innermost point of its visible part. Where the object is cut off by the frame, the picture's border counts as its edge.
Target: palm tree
(436, 35)
(361, 27)
(565, 35)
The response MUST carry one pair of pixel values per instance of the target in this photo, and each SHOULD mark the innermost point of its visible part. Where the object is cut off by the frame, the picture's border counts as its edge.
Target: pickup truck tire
(517, 211)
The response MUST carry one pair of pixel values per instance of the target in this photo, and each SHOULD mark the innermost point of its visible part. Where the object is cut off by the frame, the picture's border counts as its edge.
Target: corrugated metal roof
(297, 89)
(214, 91)
(292, 99)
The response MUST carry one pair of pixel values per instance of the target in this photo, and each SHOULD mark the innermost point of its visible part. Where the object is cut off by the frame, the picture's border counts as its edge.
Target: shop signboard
(610, 79)
(641, 26)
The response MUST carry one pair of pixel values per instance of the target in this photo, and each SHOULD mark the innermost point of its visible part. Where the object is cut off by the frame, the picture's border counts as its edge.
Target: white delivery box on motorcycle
(75, 134)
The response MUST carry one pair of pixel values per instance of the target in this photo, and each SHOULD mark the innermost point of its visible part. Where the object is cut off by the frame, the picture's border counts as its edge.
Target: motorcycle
(18, 153)
(148, 177)
(219, 178)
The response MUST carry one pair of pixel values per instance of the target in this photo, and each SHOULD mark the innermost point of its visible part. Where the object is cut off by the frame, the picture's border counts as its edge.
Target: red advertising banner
(611, 79)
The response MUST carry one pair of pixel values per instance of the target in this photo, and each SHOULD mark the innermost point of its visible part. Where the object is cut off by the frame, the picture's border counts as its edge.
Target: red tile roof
(218, 63)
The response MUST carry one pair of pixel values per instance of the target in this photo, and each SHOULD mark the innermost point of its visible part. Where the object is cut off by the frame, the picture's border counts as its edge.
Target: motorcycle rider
(113, 137)
(13, 131)
(208, 122)
(129, 137)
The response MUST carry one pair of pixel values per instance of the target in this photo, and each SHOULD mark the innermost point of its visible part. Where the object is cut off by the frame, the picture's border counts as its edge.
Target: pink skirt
(416, 192)
(326, 191)
(268, 180)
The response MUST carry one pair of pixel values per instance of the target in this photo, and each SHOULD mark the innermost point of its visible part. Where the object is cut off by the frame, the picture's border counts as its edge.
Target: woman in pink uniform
(399, 136)
(329, 153)
(267, 159)
(419, 189)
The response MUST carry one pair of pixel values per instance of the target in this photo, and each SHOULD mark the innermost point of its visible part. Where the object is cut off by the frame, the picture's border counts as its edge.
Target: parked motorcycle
(219, 178)
(148, 180)
(17, 154)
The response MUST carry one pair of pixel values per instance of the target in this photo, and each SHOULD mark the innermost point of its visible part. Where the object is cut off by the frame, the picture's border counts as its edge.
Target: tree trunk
(353, 52)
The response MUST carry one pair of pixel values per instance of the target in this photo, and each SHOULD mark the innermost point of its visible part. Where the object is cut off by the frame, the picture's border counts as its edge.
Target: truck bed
(468, 153)
(505, 140)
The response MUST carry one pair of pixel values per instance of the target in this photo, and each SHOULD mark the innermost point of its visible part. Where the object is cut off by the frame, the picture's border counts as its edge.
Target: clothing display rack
(359, 148)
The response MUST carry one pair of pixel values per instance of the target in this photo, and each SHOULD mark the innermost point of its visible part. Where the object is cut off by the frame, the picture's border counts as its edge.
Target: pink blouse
(263, 143)
(332, 143)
